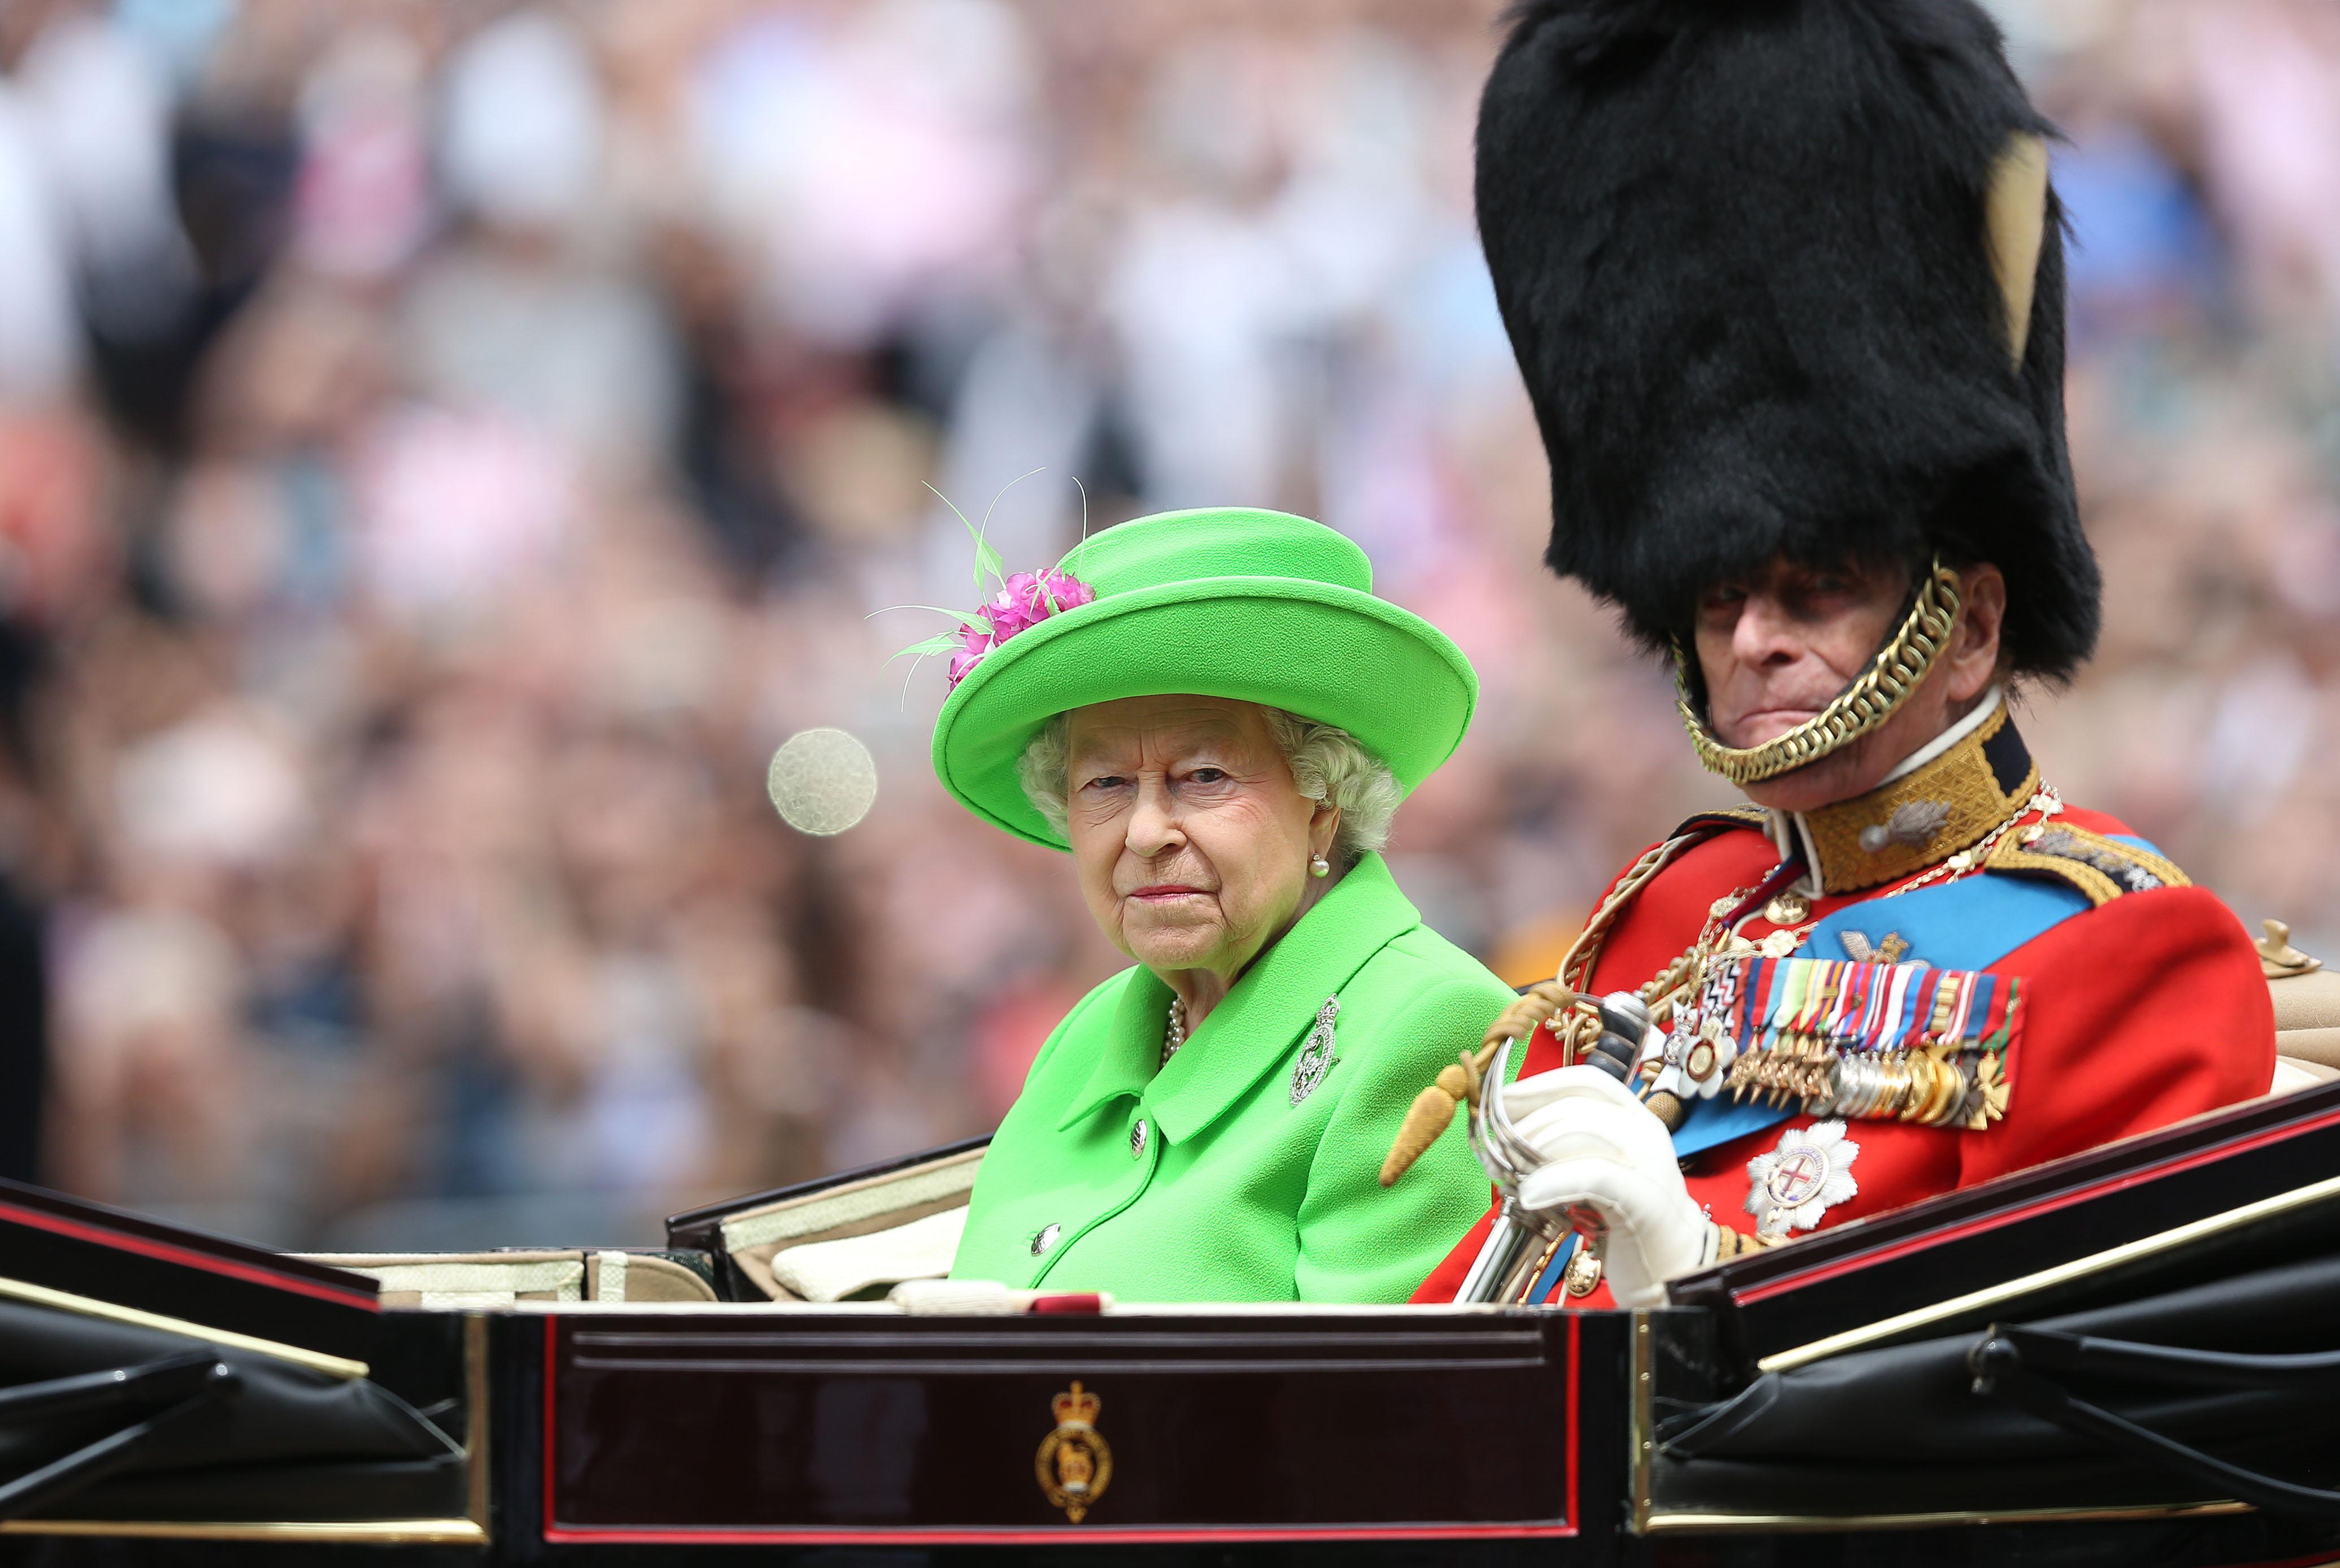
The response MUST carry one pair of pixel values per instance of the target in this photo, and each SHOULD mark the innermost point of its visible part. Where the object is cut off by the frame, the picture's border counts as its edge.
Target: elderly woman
(1213, 713)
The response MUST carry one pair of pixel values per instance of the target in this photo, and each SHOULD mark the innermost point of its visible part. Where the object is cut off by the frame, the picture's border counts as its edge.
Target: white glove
(1605, 1151)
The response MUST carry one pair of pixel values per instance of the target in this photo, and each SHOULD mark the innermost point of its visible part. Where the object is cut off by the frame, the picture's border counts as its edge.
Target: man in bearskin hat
(1786, 281)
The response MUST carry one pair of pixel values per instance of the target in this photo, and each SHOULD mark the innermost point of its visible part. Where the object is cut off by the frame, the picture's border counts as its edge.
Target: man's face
(1777, 648)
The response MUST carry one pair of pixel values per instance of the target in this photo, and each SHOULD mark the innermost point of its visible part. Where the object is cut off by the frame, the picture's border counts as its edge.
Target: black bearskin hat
(1785, 277)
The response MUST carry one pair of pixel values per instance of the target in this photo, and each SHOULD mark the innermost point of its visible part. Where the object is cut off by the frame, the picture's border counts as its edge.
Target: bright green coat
(1203, 1181)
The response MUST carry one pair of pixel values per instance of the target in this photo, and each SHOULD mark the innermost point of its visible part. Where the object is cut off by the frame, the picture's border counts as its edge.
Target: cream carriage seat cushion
(2306, 998)
(871, 1206)
(2307, 1016)
(834, 1270)
(450, 1281)
(2292, 1075)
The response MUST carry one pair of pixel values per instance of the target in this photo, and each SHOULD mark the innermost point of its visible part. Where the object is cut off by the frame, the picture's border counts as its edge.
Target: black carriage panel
(835, 1427)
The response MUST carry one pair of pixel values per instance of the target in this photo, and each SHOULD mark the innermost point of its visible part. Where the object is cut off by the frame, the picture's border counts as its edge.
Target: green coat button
(1138, 1139)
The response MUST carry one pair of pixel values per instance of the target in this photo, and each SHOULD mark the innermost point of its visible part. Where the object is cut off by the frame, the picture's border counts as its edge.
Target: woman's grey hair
(1327, 764)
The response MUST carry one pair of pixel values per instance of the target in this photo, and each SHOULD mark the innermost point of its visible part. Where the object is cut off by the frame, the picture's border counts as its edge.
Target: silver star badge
(1807, 1175)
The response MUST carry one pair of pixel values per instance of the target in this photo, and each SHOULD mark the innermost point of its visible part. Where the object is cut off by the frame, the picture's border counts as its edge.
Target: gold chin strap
(1860, 707)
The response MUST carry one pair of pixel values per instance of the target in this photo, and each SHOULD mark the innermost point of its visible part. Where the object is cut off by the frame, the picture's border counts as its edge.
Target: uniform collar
(1273, 1004)
(1943, 798)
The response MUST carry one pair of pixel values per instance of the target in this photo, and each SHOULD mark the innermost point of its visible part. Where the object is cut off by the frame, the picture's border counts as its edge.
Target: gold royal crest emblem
(1073, 1463)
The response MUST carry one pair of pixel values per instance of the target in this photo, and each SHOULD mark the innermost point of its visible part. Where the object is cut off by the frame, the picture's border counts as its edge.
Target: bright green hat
(1222, 602)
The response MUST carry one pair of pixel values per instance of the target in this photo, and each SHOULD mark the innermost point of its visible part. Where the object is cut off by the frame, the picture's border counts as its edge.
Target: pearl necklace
(1174, 1031)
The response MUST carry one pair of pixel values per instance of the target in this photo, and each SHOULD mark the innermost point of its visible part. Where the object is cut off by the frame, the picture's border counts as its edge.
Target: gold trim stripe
(475, 1421)
(2062, 1273)
(1640, 1427)
(454, 1532)
(1688, 1523)
(315, 1360)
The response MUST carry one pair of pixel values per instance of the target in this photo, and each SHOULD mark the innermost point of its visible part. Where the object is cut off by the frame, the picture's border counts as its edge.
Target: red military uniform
(1860, 372)
(2142, 999)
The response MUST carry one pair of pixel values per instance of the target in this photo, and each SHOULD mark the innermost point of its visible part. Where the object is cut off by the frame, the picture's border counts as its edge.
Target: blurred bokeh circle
(823, 781)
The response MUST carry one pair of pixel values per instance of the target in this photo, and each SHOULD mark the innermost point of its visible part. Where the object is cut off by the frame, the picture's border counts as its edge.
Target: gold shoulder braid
(1860, 707)
(2100, 867)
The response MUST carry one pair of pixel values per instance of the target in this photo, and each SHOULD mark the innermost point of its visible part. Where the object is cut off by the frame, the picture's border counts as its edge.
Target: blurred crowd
(446, 446)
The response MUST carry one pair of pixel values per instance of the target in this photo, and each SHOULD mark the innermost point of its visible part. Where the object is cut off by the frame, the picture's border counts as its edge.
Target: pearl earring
(1320, 866)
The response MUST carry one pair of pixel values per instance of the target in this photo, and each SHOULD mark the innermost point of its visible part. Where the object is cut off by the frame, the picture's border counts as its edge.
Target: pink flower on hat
(973, 642)
(1026, 600)
(1030, 598)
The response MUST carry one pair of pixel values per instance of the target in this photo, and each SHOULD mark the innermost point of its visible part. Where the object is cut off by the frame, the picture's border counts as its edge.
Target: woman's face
(1192, 841)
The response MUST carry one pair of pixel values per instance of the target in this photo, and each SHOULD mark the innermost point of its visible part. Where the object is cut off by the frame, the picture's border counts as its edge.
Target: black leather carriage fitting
(2289, 1392)
(150, 1398)
(2144, 1329)
(153, 1378)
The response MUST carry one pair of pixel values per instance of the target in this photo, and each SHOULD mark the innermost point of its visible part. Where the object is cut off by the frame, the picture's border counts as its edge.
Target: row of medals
(1921, 1086)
